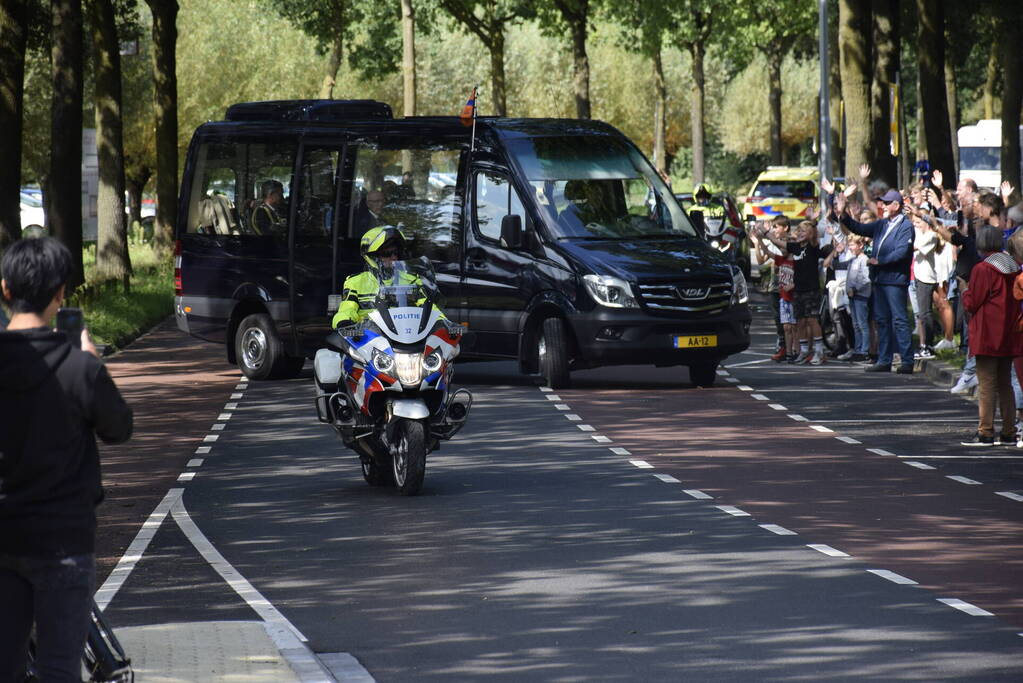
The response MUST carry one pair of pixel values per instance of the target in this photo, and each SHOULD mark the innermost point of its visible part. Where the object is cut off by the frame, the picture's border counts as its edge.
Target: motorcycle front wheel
(409, 457)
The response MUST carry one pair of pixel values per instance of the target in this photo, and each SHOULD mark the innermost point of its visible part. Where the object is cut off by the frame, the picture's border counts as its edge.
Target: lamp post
(824, 120)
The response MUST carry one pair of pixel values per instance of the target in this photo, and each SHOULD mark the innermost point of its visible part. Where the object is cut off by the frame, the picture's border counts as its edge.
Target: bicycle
(103, 658)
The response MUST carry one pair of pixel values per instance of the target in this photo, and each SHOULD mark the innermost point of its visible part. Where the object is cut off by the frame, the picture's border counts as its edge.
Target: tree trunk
(660, 105)
(135, 186)
(1012, 98)
(886, 62)
(13, 43)
(333, 66)
(408, 60)
(65, 217)
(854, 53)
(953, 114)
(991, 82)
(774, 59)
(581, 63)
(933, 101)
(498, 84)
(165, 86)
(112, 260)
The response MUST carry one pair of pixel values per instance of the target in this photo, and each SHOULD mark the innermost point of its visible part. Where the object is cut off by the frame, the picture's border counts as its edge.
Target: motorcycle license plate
(700, 341)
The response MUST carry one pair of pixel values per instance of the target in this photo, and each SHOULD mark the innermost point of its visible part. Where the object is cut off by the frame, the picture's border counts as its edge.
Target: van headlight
(382, 362)
(409, 367)
(610, 291)
(740, 291)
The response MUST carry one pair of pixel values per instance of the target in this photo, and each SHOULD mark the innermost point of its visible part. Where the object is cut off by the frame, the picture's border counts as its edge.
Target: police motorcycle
(384, 383)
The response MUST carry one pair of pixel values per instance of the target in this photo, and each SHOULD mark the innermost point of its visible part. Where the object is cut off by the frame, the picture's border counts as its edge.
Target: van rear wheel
(260, 352)
(552, 352)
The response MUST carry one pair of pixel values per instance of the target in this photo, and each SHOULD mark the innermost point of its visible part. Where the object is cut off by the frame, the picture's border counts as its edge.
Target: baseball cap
(891, 196)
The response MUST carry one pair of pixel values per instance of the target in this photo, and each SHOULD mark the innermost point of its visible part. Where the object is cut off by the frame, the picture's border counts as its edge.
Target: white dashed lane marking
(827, 550)
(194, 462)
(918, 465)
(553, 397)
(743, 387)
(760, 397)
(573, 417)
(798, 418)
(732, 510)
(775, 529)
(620, 451)
(600, 438)
(697, 494)
(202, 450)
(218, 427)
(230, 406)
(1010, 495)
(211, 437)
(224, 416)
(963, 480)
(847, 439)
(642, 464)
(561, 406)
(587, 428)
(546, 389)
(186, 476)
(776, 406)
(879, 451)
(893, 577)
(964, 606)
(821, 428)
(667, 479)
(733, 380)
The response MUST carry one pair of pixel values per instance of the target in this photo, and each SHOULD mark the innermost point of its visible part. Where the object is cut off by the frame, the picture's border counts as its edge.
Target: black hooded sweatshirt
(54, 400)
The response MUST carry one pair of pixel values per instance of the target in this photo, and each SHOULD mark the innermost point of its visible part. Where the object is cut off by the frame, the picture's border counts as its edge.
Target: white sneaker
(964, 385)
(923, 354)
(846, 356)
(944, 344)
(817, 359)
(802, 358)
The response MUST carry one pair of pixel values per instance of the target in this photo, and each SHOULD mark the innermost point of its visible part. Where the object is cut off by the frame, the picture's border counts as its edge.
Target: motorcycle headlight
(740, 291)
(432, 362)
(610, 291)
(383, 362)
(409, 367)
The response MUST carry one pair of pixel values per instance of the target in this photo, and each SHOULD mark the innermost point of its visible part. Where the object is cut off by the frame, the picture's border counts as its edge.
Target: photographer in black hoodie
(54, 399)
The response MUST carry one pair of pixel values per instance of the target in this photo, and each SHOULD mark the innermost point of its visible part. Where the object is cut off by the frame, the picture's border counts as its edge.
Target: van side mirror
(511, 232)
(701, 226)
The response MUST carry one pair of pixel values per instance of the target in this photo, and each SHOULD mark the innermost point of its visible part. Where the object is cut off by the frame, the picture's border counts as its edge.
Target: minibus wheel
(259, 350)
(552, 353)
(703, 374)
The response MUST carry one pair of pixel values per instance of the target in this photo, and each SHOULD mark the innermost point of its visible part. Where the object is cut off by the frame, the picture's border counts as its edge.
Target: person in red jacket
(994, 339)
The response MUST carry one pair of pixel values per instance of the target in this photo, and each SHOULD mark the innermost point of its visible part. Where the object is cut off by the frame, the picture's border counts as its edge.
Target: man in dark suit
(892, 239)
(367, 215)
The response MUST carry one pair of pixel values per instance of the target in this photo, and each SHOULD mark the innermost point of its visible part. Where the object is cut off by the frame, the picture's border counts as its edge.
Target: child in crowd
(857, 286)
(782, 284)
(806, 255)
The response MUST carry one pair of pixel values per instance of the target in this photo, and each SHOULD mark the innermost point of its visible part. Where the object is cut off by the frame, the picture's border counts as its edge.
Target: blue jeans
(893, 330)
(858, 309)
(56, 594)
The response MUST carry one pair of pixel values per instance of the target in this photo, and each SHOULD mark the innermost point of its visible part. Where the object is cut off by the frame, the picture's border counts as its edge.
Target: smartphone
(71, 322)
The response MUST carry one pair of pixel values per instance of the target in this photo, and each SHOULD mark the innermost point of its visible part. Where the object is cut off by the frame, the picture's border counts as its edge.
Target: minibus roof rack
(309, 110)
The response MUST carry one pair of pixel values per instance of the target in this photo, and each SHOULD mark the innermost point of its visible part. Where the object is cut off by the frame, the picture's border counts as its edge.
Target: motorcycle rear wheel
(408, 457)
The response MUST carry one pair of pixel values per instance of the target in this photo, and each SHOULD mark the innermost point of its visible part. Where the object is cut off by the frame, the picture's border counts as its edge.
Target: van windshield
(596, 187)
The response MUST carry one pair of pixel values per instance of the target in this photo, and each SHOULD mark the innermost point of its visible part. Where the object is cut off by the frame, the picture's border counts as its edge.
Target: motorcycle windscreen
(404, 324)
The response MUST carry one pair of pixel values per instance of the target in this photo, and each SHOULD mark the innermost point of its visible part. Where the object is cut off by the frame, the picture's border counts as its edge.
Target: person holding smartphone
(55, 398)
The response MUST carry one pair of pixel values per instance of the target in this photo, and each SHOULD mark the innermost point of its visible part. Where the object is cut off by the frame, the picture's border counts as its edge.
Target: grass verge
(115, 318)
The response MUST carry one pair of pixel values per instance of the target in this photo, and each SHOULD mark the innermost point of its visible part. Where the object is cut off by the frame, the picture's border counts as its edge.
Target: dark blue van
(555, 241)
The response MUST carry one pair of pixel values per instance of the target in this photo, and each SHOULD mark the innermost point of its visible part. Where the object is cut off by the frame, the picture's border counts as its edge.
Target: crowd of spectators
(906, 272)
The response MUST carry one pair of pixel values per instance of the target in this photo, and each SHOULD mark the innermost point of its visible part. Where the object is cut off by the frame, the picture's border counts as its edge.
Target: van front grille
(686, 297)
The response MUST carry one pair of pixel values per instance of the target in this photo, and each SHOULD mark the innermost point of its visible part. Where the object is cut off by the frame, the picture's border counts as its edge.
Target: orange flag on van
(469, 110)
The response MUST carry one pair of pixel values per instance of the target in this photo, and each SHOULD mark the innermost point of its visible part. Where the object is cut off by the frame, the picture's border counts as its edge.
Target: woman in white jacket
(928, 250)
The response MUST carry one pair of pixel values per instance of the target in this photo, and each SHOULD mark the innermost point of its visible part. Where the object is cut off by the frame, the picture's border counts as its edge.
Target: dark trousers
(893, 329)
(56, 594)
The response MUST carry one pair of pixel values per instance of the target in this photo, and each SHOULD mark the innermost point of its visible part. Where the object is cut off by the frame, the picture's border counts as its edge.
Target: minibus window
(411, 187)
(495, 199)
(597, 187)
(317, 192)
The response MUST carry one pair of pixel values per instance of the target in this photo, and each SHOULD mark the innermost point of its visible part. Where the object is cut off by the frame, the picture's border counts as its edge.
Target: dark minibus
(555, 241)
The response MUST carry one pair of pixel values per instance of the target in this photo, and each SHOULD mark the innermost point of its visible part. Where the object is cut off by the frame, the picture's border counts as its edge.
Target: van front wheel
(703, 374)
(259, 350)
(552, 352)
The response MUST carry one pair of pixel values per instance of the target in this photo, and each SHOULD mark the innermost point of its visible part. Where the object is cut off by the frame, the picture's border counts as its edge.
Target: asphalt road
(631, 528)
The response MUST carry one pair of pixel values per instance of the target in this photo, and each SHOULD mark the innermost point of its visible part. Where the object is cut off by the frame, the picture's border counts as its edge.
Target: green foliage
(746, 129)
(116, 318)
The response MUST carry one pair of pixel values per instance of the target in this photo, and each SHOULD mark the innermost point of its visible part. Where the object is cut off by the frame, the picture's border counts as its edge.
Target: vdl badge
(696, 341)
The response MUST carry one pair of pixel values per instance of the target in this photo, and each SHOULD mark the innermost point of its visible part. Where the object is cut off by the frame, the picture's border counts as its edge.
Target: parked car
(544, 245)
(723, 227)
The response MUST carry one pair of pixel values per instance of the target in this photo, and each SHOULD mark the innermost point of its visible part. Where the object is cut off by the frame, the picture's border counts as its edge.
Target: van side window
(317, 188)
(241, 189)
(212, 208)
(410, 186)
(495, 199)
